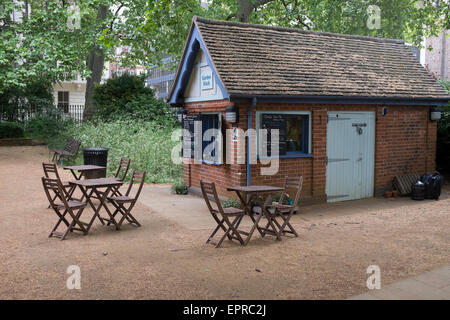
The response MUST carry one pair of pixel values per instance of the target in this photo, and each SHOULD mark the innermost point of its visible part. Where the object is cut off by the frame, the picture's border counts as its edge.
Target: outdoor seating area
(276, 214)
(167, 256)
(99, 194)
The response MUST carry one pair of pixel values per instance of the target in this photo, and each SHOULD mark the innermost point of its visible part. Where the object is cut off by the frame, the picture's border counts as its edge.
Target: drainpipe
(249, 140)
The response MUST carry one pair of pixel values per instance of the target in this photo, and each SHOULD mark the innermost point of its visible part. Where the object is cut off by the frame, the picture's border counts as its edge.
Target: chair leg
(286, 223)
(231, 227)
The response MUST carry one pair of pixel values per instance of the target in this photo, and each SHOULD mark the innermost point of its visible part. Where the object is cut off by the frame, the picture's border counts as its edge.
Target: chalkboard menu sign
(275, 121)
(188, 124)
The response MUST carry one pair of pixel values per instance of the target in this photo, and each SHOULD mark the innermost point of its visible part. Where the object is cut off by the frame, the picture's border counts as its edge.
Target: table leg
(102, 197)
(96, 210)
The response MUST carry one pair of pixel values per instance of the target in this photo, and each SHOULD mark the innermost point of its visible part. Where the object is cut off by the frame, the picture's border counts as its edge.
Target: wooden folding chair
(70, 151)
(59, 201)
(124, 166)
(121, 201)
(222, 216)
(51, 172)
(283, 211)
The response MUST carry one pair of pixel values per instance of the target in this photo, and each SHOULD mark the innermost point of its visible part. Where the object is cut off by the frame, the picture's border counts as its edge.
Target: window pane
(294, 133)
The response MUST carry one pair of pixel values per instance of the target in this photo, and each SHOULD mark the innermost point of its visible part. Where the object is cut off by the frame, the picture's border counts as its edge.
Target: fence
(63, 111)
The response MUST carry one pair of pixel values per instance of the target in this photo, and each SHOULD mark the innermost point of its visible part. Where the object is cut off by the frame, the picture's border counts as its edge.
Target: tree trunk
(247, 6)
(244, 11)
(95, 63)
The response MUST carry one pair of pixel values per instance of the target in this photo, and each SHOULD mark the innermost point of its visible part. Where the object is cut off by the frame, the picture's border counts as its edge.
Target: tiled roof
(264, 60)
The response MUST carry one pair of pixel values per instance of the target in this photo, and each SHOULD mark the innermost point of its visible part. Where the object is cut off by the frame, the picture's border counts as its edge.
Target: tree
(42, 47)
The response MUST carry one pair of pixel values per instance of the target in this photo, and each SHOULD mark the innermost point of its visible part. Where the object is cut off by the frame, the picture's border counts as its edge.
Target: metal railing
(62, 111)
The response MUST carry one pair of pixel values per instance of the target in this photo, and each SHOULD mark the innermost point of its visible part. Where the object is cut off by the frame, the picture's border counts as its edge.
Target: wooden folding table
(246, 194)
(83, 170)
(89, 188)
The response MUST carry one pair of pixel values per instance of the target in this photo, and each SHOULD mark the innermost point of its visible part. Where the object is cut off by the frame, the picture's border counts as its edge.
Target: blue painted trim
(249, 141)
(195, 43)
(290, 155)
(341, 100)
(305, 133)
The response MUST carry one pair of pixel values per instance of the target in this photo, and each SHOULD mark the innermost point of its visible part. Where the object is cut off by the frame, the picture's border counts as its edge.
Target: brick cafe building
(352, 111)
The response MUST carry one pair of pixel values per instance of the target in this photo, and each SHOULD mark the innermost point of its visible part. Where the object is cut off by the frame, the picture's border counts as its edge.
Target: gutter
(249, 140)
(441, 101)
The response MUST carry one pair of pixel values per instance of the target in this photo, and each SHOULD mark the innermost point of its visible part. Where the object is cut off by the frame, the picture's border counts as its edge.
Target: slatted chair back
(209, 192)
(55, 186)
(124, 166)
(72, 146)
(50, 170)
(292, 183)
(138, 177)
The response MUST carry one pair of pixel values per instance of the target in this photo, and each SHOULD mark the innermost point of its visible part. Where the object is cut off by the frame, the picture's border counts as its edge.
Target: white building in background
(437, 61)
(72, 92)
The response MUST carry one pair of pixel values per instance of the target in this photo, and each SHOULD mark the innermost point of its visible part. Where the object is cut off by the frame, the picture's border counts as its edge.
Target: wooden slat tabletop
(85, 167)
(251, 189)
(97, 183)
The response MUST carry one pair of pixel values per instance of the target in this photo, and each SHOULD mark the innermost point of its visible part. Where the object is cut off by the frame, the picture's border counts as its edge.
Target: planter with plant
(179, 188)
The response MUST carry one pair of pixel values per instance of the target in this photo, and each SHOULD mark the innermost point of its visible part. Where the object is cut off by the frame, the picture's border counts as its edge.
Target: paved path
(432, 285)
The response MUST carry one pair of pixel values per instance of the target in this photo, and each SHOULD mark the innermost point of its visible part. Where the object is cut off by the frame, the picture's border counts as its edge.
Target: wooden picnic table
(90, 188)
(83, 169)
(246, 194)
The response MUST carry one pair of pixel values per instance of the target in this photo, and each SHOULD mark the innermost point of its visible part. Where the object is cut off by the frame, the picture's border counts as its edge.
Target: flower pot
(388, 194)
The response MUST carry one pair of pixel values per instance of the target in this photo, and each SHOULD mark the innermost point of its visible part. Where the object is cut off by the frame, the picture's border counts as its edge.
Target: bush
(46, 126)
(126, 97)
(231, 203)
(15, 102)
(179, 188)
(11, 130)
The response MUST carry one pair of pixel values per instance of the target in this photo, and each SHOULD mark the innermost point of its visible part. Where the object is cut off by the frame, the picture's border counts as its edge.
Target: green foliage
(179, 187)
(147, 144)
(400, 19)
(126, 97)
(16, 101)
(231, 203)
(46, 125)
(11, 130)
(286, 200)
(443, 136)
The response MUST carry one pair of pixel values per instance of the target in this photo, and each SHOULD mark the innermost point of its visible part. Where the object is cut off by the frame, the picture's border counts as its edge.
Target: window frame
(64, 105)
(220, 144)
(289, 154)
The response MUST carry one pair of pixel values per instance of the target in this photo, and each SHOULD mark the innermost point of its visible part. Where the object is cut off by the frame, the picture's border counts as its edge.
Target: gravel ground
(163, 260)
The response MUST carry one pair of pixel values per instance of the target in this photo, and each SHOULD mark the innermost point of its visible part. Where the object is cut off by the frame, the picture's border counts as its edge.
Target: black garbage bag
(433, 185)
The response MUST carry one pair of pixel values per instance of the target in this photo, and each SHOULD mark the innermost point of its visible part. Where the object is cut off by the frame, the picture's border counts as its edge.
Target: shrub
(231, 203)
(45, 126)
(16, 101)
(11, 130)
(179, 187)
(126, 97)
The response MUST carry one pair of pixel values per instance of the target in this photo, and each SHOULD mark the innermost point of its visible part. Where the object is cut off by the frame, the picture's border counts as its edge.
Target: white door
(350, 155)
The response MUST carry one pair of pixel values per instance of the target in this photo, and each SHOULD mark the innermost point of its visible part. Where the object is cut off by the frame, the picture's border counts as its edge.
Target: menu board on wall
(188, 124)
(275, 121)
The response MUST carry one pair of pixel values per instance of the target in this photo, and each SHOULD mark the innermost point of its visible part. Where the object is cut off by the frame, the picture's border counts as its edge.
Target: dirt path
(164, 260)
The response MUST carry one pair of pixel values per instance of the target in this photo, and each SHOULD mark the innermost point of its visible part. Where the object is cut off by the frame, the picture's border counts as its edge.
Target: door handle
(360, 159)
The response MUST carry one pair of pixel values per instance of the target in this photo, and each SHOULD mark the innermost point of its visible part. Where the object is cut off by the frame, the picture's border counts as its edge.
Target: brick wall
(405, 143)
